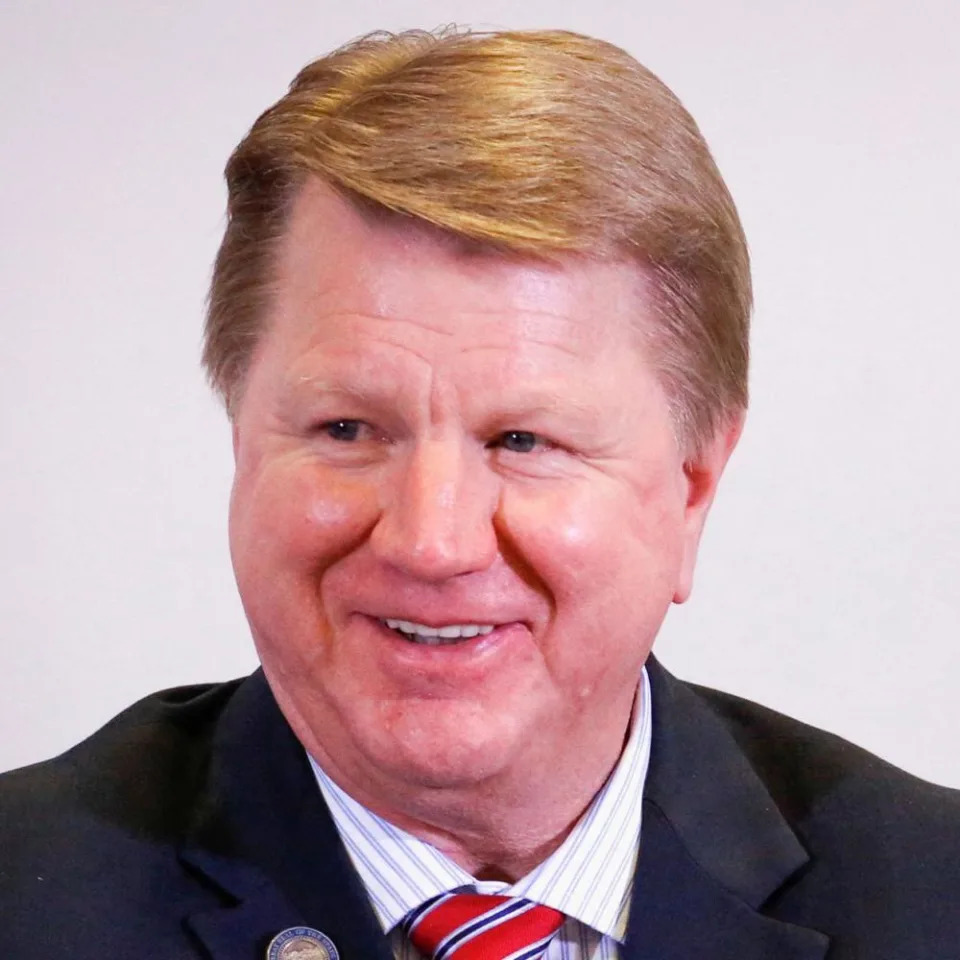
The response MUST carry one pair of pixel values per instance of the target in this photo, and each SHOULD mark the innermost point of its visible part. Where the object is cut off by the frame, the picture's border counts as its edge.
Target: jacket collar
(263, 838)
(713, 846)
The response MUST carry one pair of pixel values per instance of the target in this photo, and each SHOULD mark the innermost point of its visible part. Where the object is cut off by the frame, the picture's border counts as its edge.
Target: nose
(437, 519)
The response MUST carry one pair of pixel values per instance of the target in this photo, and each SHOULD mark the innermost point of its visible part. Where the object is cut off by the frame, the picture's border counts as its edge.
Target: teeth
(434, 636)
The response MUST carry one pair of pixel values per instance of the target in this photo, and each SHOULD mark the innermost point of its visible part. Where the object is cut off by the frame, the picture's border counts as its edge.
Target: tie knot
(476, 926)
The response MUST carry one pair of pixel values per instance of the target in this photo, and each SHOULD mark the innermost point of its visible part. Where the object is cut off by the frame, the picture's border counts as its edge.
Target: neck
(507, 857)
(500, 828)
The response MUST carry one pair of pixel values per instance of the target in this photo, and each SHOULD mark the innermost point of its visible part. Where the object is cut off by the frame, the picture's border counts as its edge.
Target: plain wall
(827, 585)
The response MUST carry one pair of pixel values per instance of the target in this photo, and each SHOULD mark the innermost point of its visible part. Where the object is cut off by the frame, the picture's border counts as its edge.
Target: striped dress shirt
(589, 877)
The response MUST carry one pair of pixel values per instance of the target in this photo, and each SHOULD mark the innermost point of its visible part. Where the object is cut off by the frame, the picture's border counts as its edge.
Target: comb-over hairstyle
(536, 144)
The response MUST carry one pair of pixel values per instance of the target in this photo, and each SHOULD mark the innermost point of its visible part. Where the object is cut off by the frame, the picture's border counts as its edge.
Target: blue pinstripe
(589, 878)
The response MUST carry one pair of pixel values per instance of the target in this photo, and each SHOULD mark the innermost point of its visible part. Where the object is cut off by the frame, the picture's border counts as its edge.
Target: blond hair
(535, 143)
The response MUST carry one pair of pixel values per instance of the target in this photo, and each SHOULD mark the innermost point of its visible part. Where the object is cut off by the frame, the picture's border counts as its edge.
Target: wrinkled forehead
(338, 258)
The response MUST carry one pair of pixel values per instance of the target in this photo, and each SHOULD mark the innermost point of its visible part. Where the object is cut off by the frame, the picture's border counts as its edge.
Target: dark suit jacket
(191, 826)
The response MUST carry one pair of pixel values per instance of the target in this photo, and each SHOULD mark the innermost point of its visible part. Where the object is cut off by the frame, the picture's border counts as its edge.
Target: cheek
(293, 519)
(595, 539)
(607, 558)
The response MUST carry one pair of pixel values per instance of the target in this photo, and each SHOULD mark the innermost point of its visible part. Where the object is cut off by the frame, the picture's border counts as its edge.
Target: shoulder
(810, 772)
(882, 843)
(155, 748)
(102, 822)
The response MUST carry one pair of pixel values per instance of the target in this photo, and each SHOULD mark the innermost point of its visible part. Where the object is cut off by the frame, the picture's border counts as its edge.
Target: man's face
(433, 439)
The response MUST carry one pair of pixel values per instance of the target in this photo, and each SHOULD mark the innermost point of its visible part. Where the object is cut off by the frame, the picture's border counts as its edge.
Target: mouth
(446, 635)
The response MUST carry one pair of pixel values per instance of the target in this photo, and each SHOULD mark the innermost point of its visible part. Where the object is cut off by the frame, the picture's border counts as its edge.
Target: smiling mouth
(437, 636)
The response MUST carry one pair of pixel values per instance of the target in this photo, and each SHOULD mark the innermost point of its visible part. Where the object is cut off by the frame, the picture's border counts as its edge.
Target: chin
(440, 744)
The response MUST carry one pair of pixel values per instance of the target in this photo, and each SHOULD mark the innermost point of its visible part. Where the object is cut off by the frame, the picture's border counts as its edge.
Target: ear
(235, 432)
(702, 471)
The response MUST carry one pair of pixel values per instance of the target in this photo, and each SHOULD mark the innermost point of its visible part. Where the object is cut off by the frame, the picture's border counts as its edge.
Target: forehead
(335, 260)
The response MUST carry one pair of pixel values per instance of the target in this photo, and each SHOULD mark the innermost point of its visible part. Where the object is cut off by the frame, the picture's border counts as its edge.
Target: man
(480, 323)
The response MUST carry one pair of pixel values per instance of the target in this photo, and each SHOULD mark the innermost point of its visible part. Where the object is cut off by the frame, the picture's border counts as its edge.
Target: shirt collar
(588, 877)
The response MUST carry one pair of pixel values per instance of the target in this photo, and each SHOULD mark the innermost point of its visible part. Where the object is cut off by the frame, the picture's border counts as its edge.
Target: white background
(827, 586)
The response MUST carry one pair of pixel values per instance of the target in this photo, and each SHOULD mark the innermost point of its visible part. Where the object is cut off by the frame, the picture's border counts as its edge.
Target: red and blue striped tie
(475, 926)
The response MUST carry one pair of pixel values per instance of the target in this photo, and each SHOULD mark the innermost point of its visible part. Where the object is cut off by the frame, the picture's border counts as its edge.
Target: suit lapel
(265, 840)
(713, 846)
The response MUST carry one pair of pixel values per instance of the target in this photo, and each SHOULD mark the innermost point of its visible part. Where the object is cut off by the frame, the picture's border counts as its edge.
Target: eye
(518, 441)
(345, 431)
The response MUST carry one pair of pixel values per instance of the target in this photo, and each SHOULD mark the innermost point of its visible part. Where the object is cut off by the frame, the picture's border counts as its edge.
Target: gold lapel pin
(301, 943)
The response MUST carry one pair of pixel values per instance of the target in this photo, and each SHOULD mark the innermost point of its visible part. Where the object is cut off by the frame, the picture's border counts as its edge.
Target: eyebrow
(310, 386)
(540, 402)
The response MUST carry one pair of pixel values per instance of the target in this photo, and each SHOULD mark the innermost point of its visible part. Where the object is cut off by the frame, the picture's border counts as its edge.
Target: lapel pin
(301, 943)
